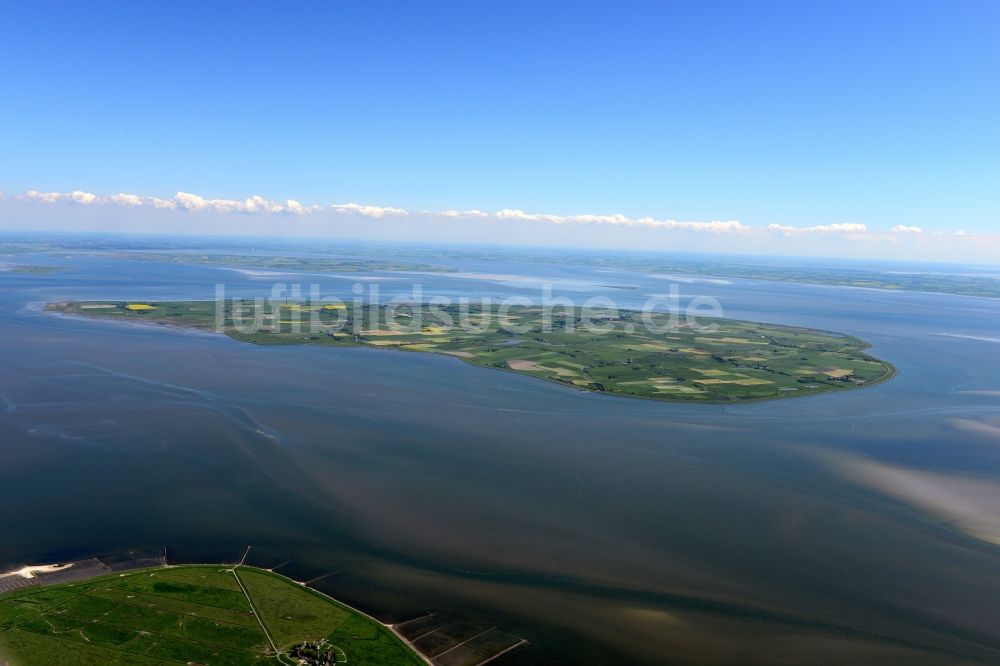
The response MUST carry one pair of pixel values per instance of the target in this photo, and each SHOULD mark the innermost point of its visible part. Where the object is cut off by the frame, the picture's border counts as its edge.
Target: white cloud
(76, 196)
(190, 201)
(47, 197)
(126, 199)
(368, 211)
(840, 228)
(715, 226)
(514, 214)
(252, 204)
(296, 208)
(162, 204)
(181, 200)
(474, 214)
(84, 198)
(618, 219)
(903, 229)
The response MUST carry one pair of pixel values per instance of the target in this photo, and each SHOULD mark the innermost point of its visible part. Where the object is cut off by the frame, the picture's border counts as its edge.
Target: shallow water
(855, 527)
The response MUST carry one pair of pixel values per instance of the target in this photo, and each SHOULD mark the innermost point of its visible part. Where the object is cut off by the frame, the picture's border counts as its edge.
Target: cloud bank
(263, 216)
(186, 202)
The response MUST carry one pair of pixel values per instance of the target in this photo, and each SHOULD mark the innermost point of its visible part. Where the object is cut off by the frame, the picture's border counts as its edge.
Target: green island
(190, 614)
(610, 351)
(286, 263)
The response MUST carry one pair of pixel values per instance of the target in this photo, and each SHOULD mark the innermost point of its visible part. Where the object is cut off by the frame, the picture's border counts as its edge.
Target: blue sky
(800, 114)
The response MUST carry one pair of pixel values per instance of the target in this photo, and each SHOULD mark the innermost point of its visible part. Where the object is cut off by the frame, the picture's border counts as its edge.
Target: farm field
(197, 614)
(628, 353)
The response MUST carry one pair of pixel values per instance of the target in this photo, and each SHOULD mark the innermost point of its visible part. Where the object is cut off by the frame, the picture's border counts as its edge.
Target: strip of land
(30, 269)
(286, 263)
(192, 614)
(627, 353)
(958, 281)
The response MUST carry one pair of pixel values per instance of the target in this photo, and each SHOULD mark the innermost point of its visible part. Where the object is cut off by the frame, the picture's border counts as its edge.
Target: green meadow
(199, 614)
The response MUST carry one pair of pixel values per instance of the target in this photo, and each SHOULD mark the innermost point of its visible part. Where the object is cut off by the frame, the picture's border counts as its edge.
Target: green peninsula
(627, 353)
(193, 614)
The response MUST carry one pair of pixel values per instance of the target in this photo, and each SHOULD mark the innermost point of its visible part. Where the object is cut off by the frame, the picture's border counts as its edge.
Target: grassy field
(208, 615)
(729, 361)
